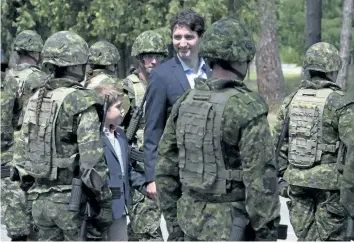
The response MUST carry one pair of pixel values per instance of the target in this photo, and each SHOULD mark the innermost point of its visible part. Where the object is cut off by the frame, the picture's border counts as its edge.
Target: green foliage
(121, 21)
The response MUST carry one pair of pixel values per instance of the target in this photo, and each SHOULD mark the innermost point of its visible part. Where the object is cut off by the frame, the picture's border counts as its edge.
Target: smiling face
(185, 42)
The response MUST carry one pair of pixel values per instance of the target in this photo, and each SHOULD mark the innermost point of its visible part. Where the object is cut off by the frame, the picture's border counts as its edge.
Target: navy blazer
(167, 82)
(116, 178)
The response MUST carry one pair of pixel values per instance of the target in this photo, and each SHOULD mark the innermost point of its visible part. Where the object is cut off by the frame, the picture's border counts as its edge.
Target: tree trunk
(270, 77)
(231, 7)
(345, 42)
(313, 10)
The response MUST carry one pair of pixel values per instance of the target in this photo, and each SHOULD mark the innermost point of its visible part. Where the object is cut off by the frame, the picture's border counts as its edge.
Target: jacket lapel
(109, 145)
(123, 149)
(180, 75)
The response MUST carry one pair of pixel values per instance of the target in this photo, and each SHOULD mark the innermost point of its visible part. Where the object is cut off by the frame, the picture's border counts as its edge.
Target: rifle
(105, 108)
(135, 153)
(80, 193)
(134, 123)
(350, 230)
(284, 130)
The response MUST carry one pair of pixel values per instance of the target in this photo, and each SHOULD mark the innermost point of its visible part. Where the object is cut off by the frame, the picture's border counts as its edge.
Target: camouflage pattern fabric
(322, 57)
(102, 76)
(12, 104)
(55, 221)
(103, 53)
(248, 146)
(17, 218)
(144, 213)
(79, 128)
(148, 42)
(28, 40)
(216, 42)
(318, 176)
(322, 178)
(73, 52)
(316, 215)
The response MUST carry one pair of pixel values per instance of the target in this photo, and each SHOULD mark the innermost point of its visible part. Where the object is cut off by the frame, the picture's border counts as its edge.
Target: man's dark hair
(189, 18)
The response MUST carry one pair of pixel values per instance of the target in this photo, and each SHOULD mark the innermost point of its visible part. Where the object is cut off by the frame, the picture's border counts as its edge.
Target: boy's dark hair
(189, 18)
(115, 95)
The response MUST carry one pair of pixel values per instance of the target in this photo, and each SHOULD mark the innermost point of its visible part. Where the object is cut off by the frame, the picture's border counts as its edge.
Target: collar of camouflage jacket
(218, 84)
(319, 83)
(22, 66)
(62, 82)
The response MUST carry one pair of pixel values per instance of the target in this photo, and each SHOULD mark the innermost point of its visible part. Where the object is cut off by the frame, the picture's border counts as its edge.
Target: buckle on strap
(328, 147)
(231, 175)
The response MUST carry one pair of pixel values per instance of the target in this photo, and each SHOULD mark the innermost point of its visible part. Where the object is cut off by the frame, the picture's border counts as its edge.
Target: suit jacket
(117, 182)
(167, 82)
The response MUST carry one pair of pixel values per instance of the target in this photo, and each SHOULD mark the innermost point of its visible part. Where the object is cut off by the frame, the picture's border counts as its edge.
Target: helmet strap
(227, 66)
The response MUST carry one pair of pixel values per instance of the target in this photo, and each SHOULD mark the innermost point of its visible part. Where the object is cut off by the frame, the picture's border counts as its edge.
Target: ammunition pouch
(5, 171)
(238, 228)
(116, 192)
(136, 155)
(77, 195)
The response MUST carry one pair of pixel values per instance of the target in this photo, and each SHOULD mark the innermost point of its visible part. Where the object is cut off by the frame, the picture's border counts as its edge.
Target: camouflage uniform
(65, 145)
(321, 118)
(215, 169)
(19, 84)
(102, 53)
(144, 215)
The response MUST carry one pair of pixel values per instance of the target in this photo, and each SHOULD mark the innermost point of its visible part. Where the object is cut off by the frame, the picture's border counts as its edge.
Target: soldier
(148, 50)
(215, 172)
(314, 122)
(103, 64)
(19, 84)
(59, 141)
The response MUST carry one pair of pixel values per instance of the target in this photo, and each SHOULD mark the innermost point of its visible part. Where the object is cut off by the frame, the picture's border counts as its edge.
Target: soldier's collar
(319, 83)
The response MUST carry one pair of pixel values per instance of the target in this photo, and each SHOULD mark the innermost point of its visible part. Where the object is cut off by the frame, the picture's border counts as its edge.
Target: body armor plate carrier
(305, 129)
(37, 144)
(199, 135)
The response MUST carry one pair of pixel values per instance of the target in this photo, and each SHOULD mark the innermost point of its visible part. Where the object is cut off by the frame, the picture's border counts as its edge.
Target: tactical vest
(20, 76)
(306, 128)
(138, 87)
(37, 145)
(95, 81)
(199, 136)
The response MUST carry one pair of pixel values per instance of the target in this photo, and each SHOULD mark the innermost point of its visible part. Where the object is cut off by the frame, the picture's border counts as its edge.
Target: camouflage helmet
(149, 42)
(227, 40)
(65, 48)
(103, 53)
(322, 57)
(28, 40)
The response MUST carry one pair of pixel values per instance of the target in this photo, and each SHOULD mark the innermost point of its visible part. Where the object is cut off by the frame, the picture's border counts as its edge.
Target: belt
(212, 198)
(116, 192)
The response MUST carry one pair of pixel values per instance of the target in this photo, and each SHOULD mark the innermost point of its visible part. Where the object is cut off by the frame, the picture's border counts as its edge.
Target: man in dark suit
(169, 81)
(121, 173)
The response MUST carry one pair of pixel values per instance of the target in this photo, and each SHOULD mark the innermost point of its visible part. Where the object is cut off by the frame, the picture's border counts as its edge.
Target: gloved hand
(283, 188)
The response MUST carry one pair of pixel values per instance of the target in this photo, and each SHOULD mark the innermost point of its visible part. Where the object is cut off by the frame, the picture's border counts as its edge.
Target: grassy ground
(292, 83)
